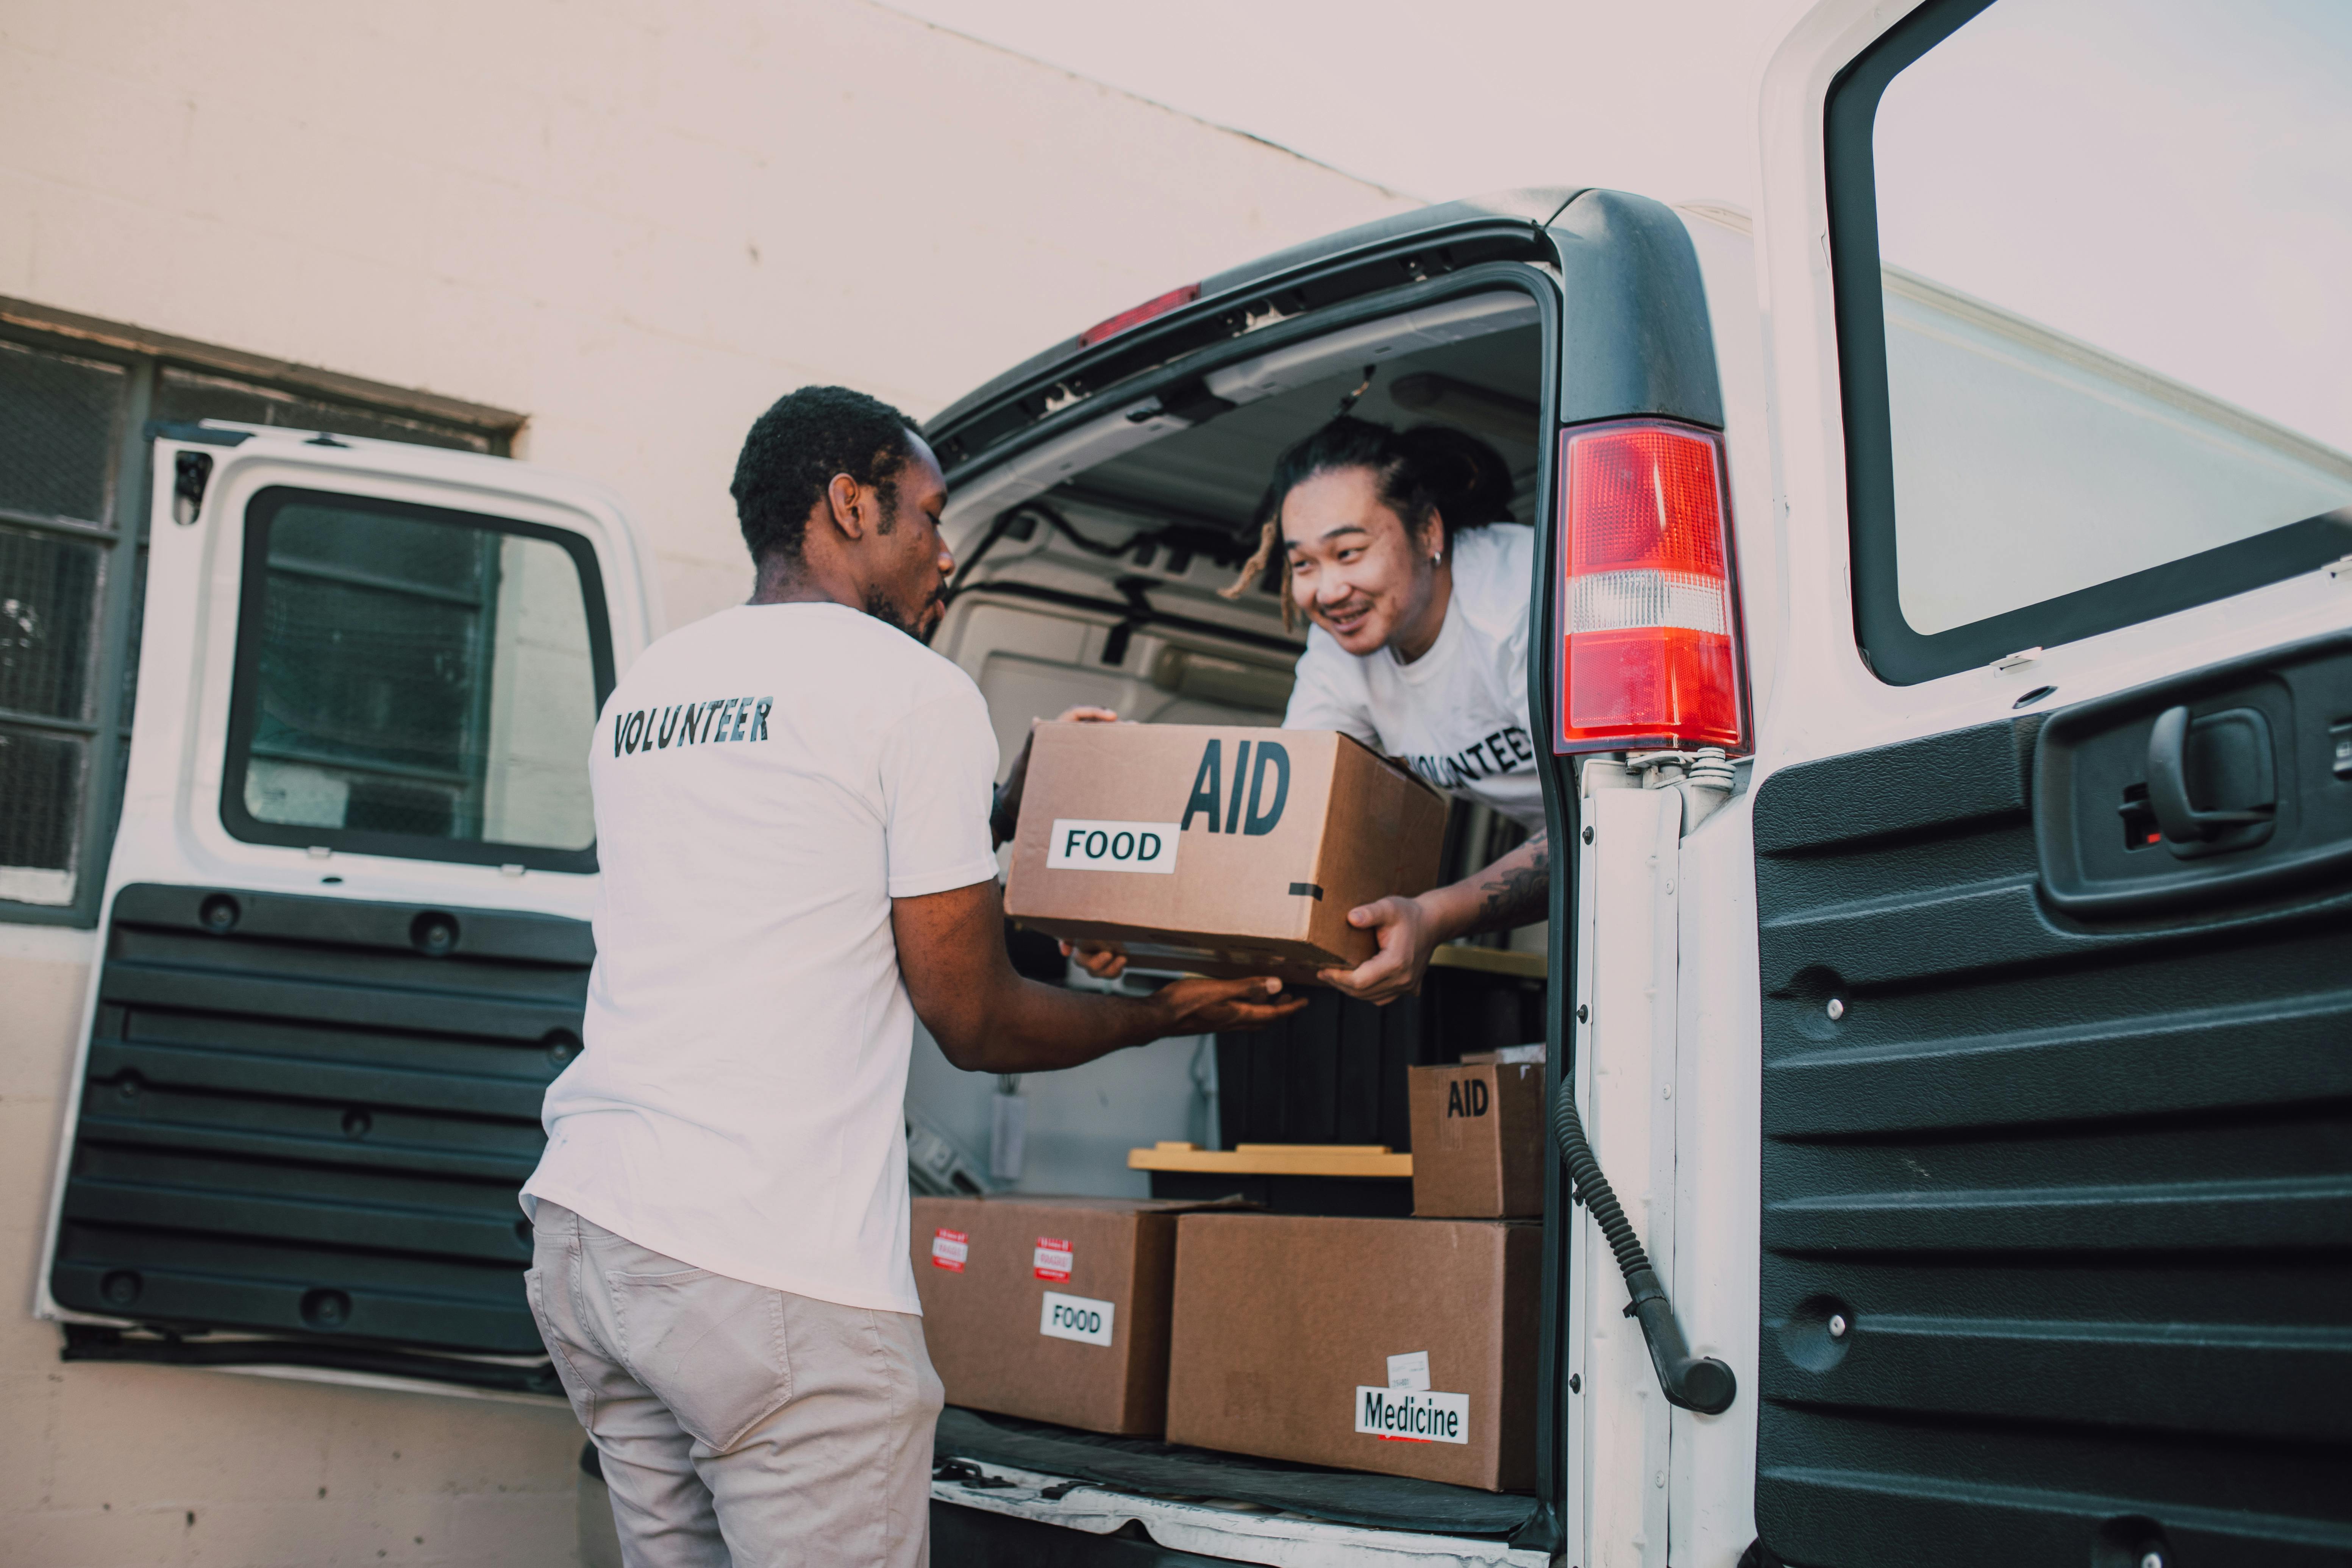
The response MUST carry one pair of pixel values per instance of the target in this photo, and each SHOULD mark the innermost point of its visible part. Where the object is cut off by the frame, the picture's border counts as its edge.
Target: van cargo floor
(1151, 1469)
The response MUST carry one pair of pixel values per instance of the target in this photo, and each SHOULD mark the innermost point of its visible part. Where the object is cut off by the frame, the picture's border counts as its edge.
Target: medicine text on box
(1413, 1414)
(1086, 845)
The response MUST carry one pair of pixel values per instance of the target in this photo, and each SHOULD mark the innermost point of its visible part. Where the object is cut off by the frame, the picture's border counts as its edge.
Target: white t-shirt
(766, 782)
(1458, 714)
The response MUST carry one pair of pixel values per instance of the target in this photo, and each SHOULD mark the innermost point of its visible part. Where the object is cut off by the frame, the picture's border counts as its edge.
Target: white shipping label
(1084, 846)
(1413, 1415)
(1076, 1318)
(1409, 1371)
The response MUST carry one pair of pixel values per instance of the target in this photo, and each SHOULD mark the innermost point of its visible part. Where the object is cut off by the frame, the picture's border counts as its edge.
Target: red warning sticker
(1053, 1259)
(949, 1248)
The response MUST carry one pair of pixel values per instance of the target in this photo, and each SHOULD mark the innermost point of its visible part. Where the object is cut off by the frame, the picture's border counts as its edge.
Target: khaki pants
(739, 1426)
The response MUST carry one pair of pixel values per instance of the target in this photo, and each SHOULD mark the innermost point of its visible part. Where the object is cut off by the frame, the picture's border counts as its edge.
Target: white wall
(639, 225)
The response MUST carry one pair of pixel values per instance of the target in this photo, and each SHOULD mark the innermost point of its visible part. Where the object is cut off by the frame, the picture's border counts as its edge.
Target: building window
(78, 404)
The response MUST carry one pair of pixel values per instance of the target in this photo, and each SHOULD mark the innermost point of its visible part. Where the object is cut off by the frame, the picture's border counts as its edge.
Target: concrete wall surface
(636, 225)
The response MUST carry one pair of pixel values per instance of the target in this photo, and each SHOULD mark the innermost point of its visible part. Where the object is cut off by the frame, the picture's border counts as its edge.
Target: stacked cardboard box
(1405, 1346)
(1477, 1140)
(1052, 1309)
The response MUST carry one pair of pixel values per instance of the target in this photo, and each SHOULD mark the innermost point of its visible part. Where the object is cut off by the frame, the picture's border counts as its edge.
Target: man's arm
(1516, 890)
(987, 1019)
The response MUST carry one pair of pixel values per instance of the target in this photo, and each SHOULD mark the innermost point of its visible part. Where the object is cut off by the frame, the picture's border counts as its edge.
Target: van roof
(1073, 360)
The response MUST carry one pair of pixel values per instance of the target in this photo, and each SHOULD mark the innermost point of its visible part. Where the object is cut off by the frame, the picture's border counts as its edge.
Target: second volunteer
(1398, 548)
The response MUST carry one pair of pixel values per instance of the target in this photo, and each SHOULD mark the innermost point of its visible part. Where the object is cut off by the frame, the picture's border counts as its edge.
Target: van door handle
(2168, 787)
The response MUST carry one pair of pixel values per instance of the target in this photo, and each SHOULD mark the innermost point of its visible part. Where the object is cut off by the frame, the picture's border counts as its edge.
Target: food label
(1409, 1371)
(1413, 1415)
(1076, 1318)
(949, 1248)
(1052, 1258)
(1080, 845)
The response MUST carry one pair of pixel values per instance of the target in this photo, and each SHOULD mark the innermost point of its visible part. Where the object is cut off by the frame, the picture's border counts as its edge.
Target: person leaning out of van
(1398, 548)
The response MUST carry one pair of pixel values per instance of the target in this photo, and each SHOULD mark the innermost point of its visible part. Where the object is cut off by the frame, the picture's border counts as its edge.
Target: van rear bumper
(996, 1513)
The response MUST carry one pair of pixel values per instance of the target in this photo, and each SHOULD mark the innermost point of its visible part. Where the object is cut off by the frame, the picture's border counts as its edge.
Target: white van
(1964, 1043)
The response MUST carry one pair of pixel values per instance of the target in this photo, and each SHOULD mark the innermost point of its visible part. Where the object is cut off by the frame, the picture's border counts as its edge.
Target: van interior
(1088, 572)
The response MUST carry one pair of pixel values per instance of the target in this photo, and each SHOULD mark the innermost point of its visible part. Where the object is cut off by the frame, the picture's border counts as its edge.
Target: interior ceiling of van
(1215, 473)
(1116, 604)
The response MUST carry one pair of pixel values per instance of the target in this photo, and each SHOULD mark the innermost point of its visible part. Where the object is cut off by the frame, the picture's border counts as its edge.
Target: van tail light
(1127, 320)
(1650, 651)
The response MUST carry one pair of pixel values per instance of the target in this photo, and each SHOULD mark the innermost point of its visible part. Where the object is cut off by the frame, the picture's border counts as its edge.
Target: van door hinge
(191, 472)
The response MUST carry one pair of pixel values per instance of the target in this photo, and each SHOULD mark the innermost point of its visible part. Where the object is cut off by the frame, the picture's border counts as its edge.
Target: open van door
(2053, 794)
(344, 939)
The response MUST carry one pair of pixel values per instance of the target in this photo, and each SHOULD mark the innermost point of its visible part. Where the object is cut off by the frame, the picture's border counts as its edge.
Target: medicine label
(1413, 1415)
(1083, 844)
(1076, 1318)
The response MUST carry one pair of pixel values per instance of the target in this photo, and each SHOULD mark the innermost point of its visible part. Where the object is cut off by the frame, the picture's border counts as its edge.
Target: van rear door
(344, 939)
(2053, 804)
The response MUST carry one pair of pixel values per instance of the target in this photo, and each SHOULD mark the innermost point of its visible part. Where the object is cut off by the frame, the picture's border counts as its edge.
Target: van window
(415, 681)
(75, 411)
(2091, 325)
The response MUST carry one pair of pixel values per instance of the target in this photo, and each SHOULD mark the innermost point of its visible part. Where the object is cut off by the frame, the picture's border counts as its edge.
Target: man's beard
(878, 605)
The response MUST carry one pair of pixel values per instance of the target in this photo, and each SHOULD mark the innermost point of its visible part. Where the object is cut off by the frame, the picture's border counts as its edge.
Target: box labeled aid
(1217, 850)
(1403, 1346)
(1051, 1308)
(1477, 1140)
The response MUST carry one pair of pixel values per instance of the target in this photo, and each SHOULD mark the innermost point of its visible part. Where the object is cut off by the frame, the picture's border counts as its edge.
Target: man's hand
(1206, 1006)
(1100, 961)
(987, 1019)
(1516, 890)
(1408, 933)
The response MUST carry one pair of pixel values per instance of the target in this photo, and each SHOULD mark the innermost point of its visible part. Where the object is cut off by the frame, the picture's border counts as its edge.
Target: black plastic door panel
(306, 1119)
(2057, 1164)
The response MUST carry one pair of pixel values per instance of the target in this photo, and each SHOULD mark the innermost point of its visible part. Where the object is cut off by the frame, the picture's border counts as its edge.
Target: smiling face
(1356, 568)
(906, 572)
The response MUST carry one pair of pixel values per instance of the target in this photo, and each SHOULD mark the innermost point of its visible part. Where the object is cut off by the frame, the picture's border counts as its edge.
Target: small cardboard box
(1222, 851)
(1477, 1140)
(1405, 1346)
(1052, 1309)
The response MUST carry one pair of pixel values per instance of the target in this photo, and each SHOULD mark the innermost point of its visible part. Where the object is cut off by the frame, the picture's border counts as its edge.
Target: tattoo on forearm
(1518, 894)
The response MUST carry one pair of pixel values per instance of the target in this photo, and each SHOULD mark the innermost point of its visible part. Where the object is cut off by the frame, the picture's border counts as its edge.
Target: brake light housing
(1647, 624)
(1129, 320)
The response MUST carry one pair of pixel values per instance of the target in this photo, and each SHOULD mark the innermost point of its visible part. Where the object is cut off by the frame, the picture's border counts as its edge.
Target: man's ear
(849, 503)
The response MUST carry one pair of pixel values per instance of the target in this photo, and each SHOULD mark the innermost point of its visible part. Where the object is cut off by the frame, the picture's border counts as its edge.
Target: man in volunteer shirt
(792, 819)
(1400, 549)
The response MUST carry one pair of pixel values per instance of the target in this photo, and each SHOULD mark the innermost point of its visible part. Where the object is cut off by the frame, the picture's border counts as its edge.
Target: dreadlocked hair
(1430, 469)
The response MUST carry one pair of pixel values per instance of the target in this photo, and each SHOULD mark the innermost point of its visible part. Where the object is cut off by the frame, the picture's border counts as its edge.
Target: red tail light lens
(1127, 320)
(1649, 613)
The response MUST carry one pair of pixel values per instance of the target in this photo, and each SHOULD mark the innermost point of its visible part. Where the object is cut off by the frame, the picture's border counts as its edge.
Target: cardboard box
(1221, 851)
(1052, 1309)
(1405, 1346)
(1477, 1140)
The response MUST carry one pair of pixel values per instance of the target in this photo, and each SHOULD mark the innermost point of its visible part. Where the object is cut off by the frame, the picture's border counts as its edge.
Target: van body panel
(300, 1066)
(1971, 1347)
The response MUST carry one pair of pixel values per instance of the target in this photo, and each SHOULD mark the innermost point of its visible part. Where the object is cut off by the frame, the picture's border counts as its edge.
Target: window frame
(121, 536)
(1896, 652)
(260, 512)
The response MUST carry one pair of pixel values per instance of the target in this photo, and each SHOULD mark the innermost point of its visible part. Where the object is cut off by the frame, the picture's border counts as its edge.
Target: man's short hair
(794, 449)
